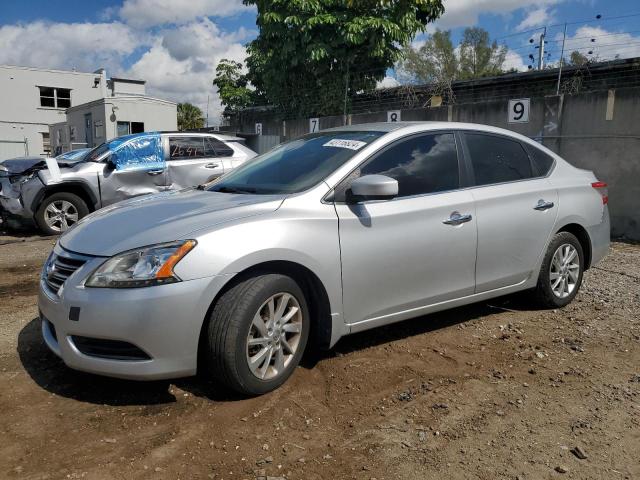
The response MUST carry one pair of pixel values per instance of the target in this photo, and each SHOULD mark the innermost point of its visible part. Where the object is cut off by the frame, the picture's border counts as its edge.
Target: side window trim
(463, 176)
(469, 164)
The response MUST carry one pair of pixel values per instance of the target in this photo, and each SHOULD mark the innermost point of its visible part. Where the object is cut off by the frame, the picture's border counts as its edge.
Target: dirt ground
(490, 391)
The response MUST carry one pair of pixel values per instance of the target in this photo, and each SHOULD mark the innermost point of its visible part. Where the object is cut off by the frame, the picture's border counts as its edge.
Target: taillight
(602, 188)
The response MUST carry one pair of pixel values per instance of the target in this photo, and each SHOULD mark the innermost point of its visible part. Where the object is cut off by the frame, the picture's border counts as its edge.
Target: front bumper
(163, 321)
(14, 214)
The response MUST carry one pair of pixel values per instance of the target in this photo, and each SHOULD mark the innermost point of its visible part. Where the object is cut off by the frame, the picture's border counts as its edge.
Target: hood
(20, 165)
(160, 218)
(24, 165)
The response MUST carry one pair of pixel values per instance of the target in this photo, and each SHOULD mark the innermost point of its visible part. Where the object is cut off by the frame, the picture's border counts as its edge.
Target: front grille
(112, 349)
(59, 268)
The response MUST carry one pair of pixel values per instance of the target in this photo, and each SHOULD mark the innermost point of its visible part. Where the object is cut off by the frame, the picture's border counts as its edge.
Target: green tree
(189, 116)
(434, 62)
(438, 61)
(479, 57)
(311, 55)
(232, 86)
(577, 59)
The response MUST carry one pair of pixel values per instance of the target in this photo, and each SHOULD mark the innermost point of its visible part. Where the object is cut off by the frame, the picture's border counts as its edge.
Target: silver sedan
(330, 234)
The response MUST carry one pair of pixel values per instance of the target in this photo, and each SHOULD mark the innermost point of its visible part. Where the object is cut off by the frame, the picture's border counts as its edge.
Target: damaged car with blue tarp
(55, 193)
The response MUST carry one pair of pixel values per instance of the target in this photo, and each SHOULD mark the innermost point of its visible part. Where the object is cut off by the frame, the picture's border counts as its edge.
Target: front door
(192, 160)
(404, 254)
(135, 168)
(515, 211)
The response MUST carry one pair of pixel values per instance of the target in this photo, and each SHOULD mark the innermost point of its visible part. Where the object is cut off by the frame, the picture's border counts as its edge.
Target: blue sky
(175, 44)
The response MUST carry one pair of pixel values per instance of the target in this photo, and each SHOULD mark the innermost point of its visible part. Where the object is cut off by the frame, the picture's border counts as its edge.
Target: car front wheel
(561, 272)
(58, 212)
(257, 333)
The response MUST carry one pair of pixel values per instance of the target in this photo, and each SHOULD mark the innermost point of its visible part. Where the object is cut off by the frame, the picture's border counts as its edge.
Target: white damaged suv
(55, 194)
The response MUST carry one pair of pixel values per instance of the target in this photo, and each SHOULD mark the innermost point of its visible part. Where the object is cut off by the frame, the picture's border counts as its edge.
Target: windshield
(295, 166)
(95, 154)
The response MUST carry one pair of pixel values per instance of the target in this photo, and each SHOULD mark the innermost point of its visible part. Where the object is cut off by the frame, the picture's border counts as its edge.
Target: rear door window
(186, 148)
(497, 159)
(217, 148)
(542, 161)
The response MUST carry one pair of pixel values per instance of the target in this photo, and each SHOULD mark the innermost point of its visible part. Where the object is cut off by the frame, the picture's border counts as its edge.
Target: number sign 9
(518, 111)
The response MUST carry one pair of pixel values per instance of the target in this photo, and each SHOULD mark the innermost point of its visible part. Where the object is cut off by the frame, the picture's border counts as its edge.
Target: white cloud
(387, 82)
(460, 13)
(514, 61)
(84, 46)
(148, 13)
(607, 46)
(180, 65)
(535, 18)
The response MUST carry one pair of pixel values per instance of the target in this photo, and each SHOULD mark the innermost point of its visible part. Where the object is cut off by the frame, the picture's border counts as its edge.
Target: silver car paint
(108, 186)
(364, 255)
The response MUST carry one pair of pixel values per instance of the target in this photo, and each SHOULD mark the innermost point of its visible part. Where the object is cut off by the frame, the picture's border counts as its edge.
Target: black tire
(230, 322)
(78, 203)
(544, 293)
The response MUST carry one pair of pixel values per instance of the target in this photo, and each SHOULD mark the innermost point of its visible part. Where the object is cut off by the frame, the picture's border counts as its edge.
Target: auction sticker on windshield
(340, 143)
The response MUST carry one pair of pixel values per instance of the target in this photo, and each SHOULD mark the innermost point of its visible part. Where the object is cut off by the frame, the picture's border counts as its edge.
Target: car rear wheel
(561, 273)
(257, 333)
(58, 212)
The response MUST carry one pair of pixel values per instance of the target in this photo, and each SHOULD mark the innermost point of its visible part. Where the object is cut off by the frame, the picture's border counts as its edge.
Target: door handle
(542, 205)
(457, 219)
(155, 172)
(211, 165)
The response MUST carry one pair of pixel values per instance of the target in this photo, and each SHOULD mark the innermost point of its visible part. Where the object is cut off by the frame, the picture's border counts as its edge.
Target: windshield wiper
(226, 189)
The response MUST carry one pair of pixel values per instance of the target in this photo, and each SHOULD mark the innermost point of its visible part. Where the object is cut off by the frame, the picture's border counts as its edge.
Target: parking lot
(493, 390)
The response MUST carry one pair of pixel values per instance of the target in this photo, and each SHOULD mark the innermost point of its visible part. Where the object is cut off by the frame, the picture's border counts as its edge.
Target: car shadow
(418, 326)
(51, 374)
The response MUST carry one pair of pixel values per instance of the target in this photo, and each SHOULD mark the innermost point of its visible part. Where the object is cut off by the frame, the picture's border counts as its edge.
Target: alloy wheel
(274, 336)
(564, 271)
(60, 215)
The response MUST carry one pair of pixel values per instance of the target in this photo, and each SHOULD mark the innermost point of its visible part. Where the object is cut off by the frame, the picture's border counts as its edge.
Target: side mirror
(375, 187)
(110, 162)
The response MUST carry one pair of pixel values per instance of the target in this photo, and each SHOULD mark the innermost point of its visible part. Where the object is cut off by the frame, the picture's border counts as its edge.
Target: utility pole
(564, 38)
(541, 49)
(207, 111)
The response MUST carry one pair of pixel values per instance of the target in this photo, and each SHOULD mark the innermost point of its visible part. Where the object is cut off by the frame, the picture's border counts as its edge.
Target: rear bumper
(600, 236)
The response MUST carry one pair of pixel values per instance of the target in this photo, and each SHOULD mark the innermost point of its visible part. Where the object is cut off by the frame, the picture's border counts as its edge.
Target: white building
(83, 110)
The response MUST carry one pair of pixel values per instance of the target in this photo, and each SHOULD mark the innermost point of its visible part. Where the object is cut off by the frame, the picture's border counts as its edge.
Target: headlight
(141, 268)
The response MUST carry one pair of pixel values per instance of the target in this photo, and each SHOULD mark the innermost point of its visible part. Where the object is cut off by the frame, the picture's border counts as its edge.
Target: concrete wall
(156, 115)
(22, 116)
(598, 131)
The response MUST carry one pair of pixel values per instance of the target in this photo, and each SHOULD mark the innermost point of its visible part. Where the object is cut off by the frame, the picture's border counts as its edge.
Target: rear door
(192, 160)
(516, 209)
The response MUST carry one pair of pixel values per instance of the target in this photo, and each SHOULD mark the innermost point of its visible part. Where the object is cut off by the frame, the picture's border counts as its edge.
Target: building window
(123, 128)
(53, 97)
(46, 143)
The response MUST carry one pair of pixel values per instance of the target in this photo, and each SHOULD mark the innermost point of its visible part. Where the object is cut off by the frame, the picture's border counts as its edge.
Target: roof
(128, 80)
(230, 138)
(393, 126)
(120, 98)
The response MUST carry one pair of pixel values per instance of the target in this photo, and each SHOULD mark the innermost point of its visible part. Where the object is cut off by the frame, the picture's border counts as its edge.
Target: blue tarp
(140, 151)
